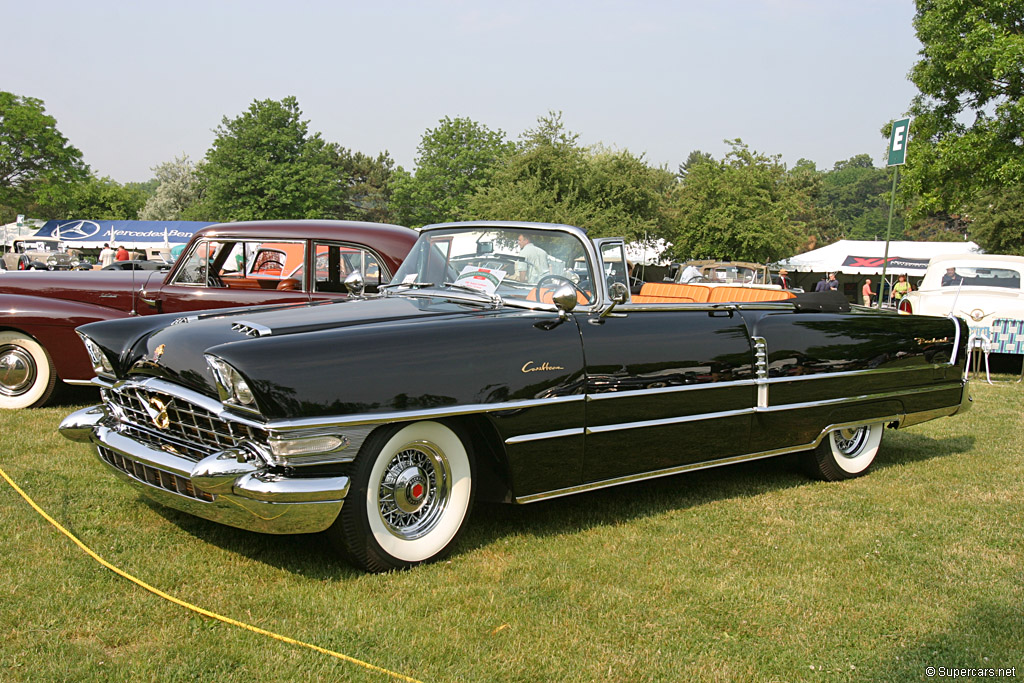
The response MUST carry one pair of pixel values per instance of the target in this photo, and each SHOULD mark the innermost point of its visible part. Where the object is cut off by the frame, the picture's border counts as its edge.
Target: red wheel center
(417, 491)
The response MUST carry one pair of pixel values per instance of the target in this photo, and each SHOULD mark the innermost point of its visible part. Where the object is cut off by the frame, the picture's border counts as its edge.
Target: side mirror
(619, 292)
(565, 300)
(355, 284)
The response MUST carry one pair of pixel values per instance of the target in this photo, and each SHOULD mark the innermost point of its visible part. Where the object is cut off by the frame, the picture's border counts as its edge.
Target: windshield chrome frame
(601, 297)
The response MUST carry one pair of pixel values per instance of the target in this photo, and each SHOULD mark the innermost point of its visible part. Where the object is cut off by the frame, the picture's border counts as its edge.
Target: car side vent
(250, 329)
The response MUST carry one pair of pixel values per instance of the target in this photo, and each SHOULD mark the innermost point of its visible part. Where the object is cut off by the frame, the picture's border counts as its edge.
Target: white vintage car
(983, 289)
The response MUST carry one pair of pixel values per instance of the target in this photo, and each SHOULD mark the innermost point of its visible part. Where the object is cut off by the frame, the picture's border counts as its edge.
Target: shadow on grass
(314, 556)
(619, 504)
(985, 637)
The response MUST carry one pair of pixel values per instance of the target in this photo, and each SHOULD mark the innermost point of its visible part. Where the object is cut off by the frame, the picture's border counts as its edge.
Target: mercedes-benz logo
(77, 230)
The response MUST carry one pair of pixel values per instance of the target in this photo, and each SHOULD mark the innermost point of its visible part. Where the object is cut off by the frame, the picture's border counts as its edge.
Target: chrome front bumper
(227, 487)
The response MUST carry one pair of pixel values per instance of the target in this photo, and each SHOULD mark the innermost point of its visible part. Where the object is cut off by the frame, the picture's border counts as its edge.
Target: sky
(136, 84)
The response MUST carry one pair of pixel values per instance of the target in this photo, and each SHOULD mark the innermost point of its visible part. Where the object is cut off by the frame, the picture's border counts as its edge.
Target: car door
(224, 273)
(667, 385)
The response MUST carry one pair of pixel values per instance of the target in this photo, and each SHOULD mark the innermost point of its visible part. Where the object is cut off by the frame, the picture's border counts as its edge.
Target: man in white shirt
(536, 265)
(106, 255)
(690, 273)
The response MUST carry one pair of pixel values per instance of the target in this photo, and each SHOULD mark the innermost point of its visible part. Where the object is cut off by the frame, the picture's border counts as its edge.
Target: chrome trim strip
(427, 413)
(602, 429)
(704, 306)
(632, 393)
(956, 342)
(540, 436)
(855, 373)
(630, 478)
(863, 397)
(80, 382)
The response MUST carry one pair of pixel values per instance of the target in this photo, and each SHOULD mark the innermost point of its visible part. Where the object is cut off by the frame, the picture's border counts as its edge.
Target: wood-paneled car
(226, 265)
(380, 420)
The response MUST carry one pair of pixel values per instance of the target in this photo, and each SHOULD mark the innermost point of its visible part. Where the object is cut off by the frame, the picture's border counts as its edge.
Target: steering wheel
(214, 280)
(556, 281)
(270, 262)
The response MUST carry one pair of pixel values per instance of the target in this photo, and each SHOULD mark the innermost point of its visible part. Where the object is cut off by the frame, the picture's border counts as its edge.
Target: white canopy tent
(860, 257)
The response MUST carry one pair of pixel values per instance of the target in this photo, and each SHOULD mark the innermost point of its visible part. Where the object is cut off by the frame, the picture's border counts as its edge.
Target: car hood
(173, 347)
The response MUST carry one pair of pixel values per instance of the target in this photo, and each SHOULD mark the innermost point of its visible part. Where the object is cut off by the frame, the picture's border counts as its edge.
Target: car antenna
(133, 311)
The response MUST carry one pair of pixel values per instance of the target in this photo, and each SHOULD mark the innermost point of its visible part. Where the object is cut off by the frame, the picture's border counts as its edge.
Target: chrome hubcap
(414, 490)
(17, 370)
(850, 441)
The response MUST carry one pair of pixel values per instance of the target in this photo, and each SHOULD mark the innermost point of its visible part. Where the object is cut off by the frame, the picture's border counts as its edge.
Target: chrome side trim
(856, 373)
(863, 397)
(405, 416)
(540, 436)
(737, 305)
(956, 342)
(632, 393)
(628, 479)
(761, 369)
(602, 429)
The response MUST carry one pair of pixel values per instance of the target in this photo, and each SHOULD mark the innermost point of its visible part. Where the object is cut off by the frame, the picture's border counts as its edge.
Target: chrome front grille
(170, 423)
(153, 476)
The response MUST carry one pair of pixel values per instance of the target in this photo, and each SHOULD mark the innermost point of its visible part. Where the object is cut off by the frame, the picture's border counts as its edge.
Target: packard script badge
(545, 366)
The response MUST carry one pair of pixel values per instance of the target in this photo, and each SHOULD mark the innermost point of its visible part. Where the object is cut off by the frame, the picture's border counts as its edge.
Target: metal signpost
(897, 157)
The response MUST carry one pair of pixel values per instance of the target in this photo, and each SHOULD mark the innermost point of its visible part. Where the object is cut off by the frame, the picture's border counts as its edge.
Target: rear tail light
(905, 306)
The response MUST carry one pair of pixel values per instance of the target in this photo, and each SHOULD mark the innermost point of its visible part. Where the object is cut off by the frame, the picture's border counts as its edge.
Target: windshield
(514, 263)
(972, 275)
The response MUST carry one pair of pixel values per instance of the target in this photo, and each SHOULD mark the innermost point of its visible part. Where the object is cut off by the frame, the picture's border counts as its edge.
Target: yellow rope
(199, 610)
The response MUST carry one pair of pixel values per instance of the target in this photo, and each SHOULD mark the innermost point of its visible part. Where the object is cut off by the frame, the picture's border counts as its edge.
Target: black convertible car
(505, 361)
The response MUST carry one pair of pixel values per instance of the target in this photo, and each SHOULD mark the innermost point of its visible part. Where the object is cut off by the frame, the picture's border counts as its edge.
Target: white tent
(859, 257)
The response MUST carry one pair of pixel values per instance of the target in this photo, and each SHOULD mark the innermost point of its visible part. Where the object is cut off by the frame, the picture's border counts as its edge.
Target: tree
(968, 128)
(178, 190)
(367, 185)
(739, 208)
(998, 220)
(455, 160)
(552, 179)
(695, 157)
(36, 161)
(264, 164)
(857, 193)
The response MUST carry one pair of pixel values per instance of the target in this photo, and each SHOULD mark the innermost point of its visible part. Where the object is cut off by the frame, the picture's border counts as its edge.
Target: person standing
(106, 255)
(784, 280)
(535, 261)
(901, 288)
(865, 292)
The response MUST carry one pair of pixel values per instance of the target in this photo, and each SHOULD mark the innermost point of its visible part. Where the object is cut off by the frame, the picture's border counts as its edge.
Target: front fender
(52, 323)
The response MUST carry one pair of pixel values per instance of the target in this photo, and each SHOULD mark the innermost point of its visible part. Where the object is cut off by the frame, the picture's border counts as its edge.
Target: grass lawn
(750, 572)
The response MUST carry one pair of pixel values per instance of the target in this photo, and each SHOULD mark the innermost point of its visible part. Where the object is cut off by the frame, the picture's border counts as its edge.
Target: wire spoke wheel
(414, 491)
(411, 493)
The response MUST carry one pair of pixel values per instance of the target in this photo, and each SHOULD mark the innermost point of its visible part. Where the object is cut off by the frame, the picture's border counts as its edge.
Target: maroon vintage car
(223, 266)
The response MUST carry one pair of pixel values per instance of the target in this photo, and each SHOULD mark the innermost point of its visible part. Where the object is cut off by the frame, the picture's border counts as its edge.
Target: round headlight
(101, 365)
(231, 386)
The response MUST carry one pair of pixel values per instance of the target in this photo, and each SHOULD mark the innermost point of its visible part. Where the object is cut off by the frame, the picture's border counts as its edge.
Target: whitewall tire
(27, 377)
(411, 493)
(845, 453)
